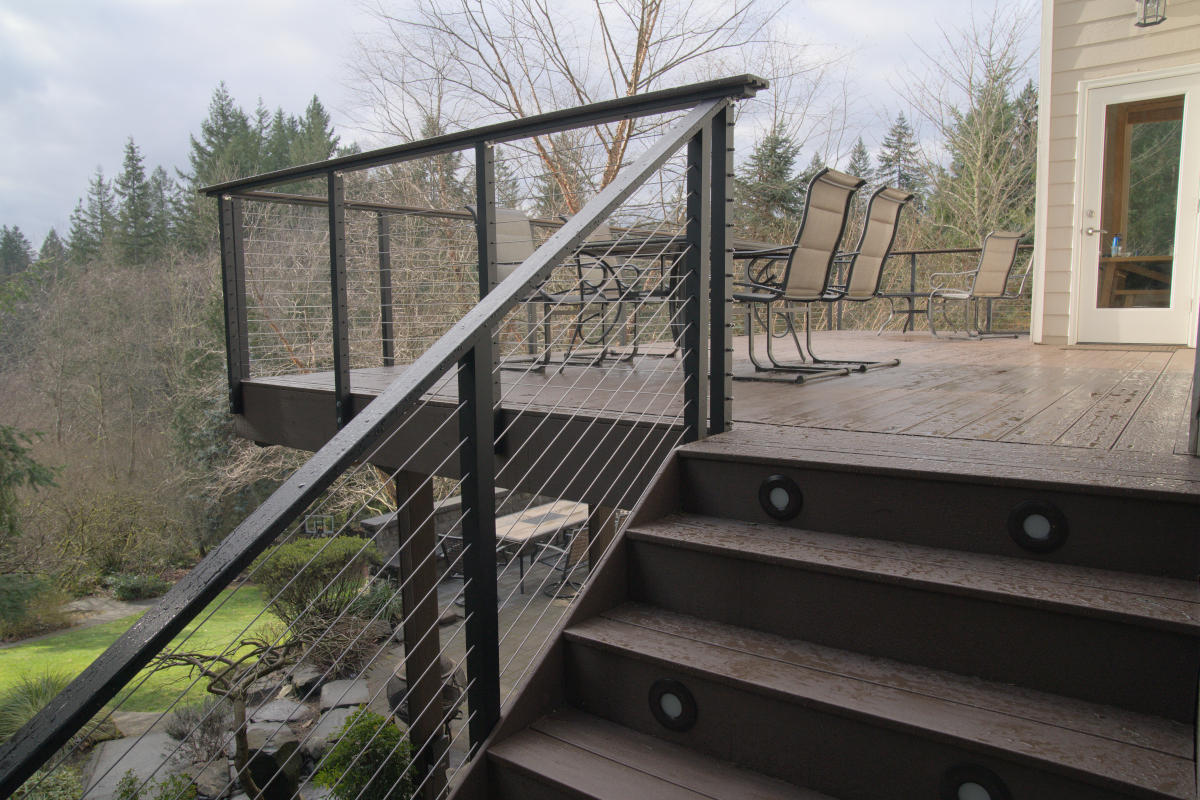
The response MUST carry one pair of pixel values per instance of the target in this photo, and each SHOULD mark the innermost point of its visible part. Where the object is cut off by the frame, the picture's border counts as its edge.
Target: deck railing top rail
(682, 97)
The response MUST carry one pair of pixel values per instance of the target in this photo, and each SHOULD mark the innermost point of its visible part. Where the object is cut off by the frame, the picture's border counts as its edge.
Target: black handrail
(52, 727)
(640, 105)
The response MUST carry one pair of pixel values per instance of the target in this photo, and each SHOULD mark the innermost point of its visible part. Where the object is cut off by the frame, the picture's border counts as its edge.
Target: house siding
(1089, 40)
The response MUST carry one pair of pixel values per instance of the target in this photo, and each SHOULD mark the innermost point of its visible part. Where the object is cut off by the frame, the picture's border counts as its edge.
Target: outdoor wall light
(780, 497)
(973, 782)
(1150, 12)
(1038, 526)
(672, 704)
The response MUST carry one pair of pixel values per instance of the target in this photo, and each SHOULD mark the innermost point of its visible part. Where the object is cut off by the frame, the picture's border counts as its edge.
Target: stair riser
(508, 783)
(853, 758)
(1110, 532)
(1099, 660)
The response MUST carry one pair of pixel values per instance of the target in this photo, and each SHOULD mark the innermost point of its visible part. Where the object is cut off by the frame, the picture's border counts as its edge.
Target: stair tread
(1119, 747)
(602, 759)
(1077, 469)
(1163, 602)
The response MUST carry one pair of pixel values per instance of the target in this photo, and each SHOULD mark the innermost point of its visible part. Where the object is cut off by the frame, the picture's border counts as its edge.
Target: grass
(72, 651)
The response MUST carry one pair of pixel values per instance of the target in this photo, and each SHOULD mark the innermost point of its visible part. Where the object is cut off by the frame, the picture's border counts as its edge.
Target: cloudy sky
(78, 77)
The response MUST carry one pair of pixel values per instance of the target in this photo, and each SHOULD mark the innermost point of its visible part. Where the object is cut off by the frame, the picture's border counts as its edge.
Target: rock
(144, 755)
(311, 791)
(322, 736)
(282, 711)
(212, 780)
(349, 692)
(275, 769)
(449, 617)
(305, 679)
(262, 690)
(265, 735)
(376, 631)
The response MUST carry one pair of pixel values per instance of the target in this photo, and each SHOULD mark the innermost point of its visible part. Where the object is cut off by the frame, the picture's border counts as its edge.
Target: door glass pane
(1141, 186)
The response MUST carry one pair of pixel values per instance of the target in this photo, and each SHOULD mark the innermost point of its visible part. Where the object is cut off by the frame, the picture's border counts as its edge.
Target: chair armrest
(934, 285)
(779, 252)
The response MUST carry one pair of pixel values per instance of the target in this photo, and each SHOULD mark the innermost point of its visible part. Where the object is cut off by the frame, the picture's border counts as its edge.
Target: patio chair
(595, 285)
(988, 281)
(806, 277)
(865, 263)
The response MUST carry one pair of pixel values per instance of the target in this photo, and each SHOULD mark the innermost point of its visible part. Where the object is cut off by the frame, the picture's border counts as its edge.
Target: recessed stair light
(1038, 526)
(672, 704)
(780, 497)
(973, 782)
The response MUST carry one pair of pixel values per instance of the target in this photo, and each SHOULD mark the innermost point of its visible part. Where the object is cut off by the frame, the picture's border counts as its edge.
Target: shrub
(201, 729)
(379, 600)
(31, 694)
(369, 761)
(173, 787)
(286, 575)
(134, 586)
(60, 784)
(30, 604)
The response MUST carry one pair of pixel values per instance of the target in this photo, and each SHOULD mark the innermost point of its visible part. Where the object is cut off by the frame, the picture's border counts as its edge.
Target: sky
(78, 77)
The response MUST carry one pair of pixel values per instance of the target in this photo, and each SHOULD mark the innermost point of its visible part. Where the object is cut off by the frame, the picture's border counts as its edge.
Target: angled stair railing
(536, 434)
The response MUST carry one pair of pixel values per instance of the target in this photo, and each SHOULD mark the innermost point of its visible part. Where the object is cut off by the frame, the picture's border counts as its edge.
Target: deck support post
(337, 291)
(696, 286)
(720, 369)
(233, 277)
(478, 390)
(422, 645)
(602, 529)
(387, 331)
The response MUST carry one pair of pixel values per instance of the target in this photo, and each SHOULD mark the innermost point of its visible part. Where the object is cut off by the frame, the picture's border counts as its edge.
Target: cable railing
(465, 505)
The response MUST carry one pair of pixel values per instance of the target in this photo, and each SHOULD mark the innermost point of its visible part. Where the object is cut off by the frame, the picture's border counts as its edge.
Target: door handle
(1093, 231)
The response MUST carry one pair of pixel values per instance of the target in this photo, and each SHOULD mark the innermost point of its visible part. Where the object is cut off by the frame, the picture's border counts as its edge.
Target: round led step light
(1038, 526)
(973, 782)
(672, 704)
(780, 497)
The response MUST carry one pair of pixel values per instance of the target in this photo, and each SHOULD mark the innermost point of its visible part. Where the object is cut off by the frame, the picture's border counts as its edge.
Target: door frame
(1159, 83)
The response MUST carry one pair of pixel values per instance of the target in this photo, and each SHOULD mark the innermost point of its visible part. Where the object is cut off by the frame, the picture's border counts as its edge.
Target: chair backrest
(826, 207)
(514, 240)
(995, 263)
(878, 235)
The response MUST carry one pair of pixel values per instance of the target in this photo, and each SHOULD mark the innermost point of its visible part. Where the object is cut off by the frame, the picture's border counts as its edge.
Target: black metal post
(912, 293)
(337, 287)
(477, 391)
(387, 329)
(695, 286)
(720, 366)
(233, 279)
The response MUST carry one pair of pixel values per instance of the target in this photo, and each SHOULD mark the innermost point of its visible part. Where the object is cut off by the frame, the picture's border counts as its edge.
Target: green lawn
(72, 651)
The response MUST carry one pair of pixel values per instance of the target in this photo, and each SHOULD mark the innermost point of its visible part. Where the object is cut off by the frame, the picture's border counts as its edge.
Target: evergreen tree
(278, 145)
(135, 237)
(313, 138)
(898, 164)
(860, 161)
(228, 145)
(94, 222)
(16, 253)
(815, 165)
(769, 193)
(53, 250)
(162, 197)
(82, 245)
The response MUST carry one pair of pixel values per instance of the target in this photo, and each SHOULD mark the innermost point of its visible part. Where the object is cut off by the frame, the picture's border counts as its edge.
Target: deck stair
(890, 640)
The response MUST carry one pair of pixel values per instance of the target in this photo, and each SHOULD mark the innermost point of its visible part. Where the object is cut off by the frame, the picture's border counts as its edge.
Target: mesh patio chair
(806, 276)
(595, 288)
(865, 263)
(988, 281)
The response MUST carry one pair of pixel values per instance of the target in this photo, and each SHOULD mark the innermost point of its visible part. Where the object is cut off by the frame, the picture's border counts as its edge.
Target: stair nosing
(753, 533)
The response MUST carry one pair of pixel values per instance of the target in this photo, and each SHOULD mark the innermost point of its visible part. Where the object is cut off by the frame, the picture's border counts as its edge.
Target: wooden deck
(1102, 410)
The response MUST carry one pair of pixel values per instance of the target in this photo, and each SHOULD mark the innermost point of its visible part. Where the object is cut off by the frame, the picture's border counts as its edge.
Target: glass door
(1137, 242)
